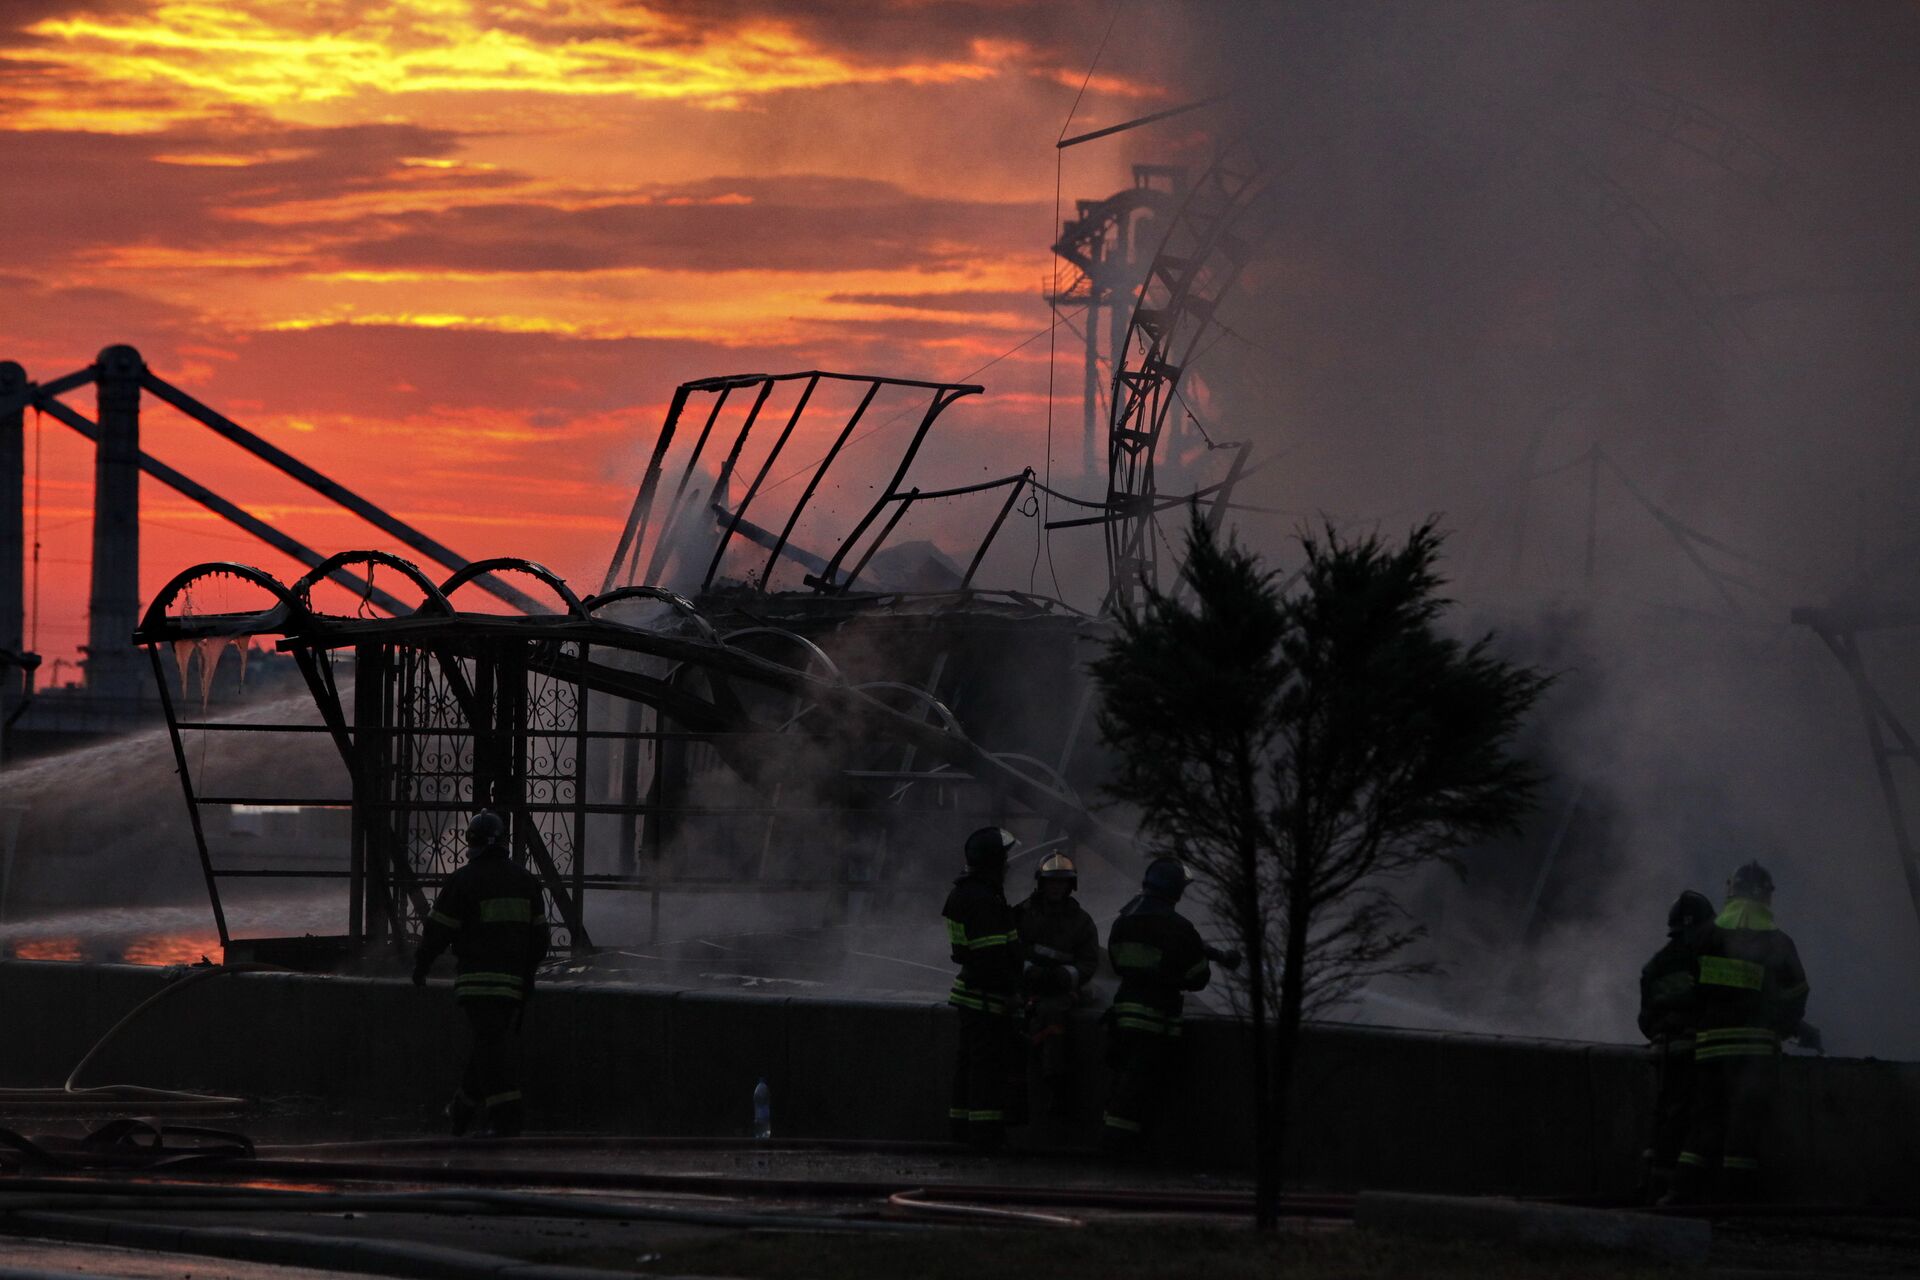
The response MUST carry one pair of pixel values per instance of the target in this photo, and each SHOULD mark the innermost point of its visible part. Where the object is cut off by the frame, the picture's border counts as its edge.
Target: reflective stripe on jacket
(493, 914)
(1750, 990)
(984, 935)
(1159, 956)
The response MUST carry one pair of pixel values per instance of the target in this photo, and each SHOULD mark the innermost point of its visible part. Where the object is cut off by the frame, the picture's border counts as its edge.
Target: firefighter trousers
(1672, 1102)
(1047, 1025)
(1732, 1103)
(491, 1082)
(1141, 1063)
(989, 1078)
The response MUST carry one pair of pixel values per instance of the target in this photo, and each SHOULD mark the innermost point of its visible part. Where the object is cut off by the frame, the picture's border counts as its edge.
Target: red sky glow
(457, 253)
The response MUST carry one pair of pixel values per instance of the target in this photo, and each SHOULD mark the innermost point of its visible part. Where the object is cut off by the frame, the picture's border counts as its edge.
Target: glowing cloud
(264, 54)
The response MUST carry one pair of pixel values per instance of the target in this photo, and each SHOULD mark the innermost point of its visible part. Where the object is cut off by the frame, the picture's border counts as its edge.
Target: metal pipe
(905, 500)
(664, 542)
(819, 474)
(1135, 123)
(941, 399)
(643, 501)
(1006, 508)
(723, 485)
(186, 786)
(760, 478)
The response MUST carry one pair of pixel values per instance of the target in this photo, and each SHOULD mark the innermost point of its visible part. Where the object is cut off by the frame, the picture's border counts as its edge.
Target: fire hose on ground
(72, 1096)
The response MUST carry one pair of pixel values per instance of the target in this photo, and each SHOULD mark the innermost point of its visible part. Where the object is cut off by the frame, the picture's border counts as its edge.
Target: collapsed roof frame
(450, 712)
(823, 573)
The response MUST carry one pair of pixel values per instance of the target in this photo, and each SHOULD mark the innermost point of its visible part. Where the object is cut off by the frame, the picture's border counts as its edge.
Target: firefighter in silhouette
(1750, 993)
(990, 1076)
(1063, 953)
(1666, 1020)
(494, 916)
(1159, 956)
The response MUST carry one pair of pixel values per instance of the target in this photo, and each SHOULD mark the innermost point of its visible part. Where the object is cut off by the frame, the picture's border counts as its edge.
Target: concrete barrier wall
(1376, 1109)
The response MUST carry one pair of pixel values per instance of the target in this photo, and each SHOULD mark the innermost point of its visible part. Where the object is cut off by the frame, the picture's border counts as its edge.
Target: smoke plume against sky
(1599, 283)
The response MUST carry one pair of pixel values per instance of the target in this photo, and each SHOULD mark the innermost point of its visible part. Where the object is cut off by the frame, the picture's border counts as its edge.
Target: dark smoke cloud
(1503, 235)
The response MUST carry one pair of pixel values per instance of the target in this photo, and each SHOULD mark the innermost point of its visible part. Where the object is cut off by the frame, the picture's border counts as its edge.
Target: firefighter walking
(1062, 946)
(1159, 956)
(493, 915)
(1750, 994)
(1666, 1020)
(990, 1069)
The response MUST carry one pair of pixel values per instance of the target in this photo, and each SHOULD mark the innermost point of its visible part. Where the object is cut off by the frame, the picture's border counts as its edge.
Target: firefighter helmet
(1166, 878)
(1751, 881)
(1058, 867)
(987, 849)
(486, 830)
(1688, 910)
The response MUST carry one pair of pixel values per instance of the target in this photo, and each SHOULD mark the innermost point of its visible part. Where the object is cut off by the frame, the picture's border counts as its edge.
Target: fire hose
(73, 1096)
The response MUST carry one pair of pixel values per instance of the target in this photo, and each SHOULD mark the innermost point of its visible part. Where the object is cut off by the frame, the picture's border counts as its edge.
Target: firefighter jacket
(1060, 933)
(985, 933)
(494, 916)
(1666, 994)
(1750, 991)
(1159, 956)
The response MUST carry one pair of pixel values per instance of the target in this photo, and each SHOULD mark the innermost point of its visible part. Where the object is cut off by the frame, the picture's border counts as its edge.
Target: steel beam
(14, 394)
(114, 600)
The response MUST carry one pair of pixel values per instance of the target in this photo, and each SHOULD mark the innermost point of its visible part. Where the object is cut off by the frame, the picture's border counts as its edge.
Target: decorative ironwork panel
(549, 766)
(433, 758)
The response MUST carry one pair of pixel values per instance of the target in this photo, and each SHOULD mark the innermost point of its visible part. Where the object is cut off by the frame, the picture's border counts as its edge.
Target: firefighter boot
(1739, 1179)
(1692, 1181)
(459, 1113)
(506, 1116)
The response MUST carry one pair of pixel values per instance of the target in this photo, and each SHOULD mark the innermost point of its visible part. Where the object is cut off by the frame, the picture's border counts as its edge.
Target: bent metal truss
(630, 709)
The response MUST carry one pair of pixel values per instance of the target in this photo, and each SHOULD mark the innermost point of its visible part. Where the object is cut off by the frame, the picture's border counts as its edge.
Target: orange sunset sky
(457, 253)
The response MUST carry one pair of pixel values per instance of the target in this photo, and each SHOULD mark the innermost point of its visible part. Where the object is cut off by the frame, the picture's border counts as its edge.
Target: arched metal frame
(449, 712)
(432, 597)
(291, 608)
(514, 564)
(673, 600)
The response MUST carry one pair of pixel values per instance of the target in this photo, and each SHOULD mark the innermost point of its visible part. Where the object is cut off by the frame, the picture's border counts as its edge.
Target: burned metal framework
(824, 573)
(1199, 260)
(1103, 245)
(574, 715)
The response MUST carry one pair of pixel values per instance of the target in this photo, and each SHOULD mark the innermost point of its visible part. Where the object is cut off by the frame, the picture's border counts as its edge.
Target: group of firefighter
(1718, 1001)
(1022, 971)
(1024, 968)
